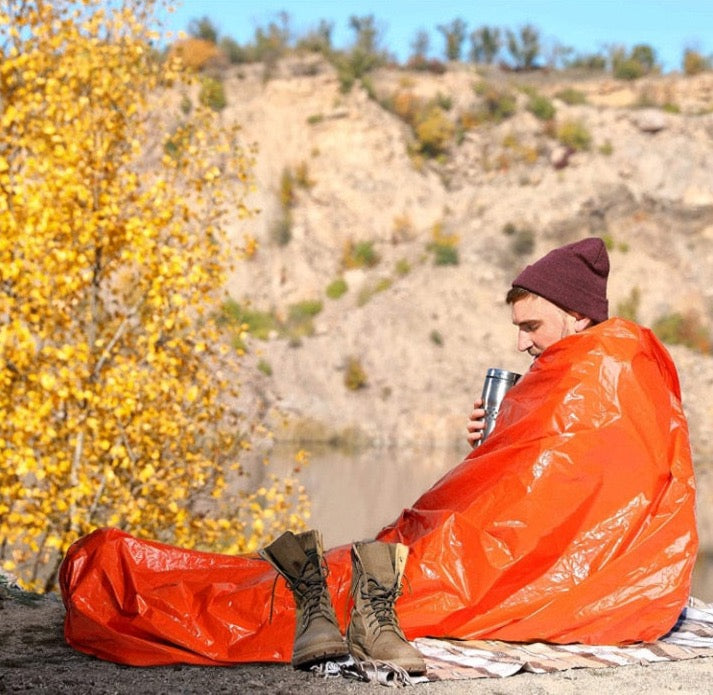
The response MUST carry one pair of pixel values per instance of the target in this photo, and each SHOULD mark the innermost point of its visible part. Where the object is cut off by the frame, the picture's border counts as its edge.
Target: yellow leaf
(47, 381)
(146, 473)
(53, 542)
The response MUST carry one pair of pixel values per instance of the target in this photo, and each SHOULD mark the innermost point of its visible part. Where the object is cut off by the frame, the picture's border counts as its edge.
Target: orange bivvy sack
(573, 522)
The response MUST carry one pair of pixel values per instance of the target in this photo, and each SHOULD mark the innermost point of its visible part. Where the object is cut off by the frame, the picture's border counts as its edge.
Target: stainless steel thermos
(497, 383)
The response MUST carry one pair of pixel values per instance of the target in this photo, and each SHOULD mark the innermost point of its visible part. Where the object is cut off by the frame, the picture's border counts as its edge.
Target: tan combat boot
(299, 559)
(374, 632)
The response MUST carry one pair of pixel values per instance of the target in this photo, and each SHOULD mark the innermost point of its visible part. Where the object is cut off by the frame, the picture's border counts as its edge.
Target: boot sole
(335, 651)
(413, 668)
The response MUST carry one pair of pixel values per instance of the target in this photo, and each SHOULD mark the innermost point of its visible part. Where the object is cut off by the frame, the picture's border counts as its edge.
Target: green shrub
(640, 61)
(588, 61)
(176, 144)
(314, 119)
(288, 197)
(265, 367)
(354, 374)
(541, 107)
(524, 153)
(612, 245)
(523, 242)
(237, 316)
(629, 308)
(443, 246)
(281, 230)
(511, 141)
(204, 29)
(628, 69)
(403, 267)
(337, 288)
(346, 76)
(445, 255)
(574, 134)
(498, 104)
(436, 337)
(367, 292)
(444, 101)
(186, 105)
(305, 309)
(571, 96)
(606, 148)
(683, 329)
(434, 132)
(299, 322)
(234, 51)
(212, 94)
(383, 284)
(301, 177)
(364, 57)
(360, 255)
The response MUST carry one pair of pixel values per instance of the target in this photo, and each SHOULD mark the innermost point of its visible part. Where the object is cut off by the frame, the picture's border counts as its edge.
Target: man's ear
(581, 322)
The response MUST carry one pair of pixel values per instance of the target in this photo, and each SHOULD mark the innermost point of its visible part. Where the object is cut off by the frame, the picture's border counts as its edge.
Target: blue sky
(589, 26)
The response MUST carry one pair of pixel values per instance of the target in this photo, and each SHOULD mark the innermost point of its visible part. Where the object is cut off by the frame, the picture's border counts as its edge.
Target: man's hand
(476, 423)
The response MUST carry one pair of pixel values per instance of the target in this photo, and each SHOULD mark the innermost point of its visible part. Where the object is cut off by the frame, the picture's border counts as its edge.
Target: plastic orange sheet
(573, 522)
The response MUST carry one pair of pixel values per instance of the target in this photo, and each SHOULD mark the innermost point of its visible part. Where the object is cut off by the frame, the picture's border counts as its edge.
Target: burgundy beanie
(574, 277)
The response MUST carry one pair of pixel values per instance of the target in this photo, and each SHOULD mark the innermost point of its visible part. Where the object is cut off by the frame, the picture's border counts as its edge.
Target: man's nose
(523, 341)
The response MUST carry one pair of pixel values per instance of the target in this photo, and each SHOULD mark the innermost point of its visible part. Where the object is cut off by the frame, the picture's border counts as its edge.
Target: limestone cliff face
(423, 333)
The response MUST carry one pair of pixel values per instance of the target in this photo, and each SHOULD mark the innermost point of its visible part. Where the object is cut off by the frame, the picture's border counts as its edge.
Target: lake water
(355, 494)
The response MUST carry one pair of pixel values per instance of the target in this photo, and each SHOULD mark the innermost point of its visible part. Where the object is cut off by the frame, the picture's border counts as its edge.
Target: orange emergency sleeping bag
(573, 522)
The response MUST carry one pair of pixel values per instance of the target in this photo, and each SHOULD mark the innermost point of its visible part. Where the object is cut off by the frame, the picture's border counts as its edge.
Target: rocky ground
(34, 659)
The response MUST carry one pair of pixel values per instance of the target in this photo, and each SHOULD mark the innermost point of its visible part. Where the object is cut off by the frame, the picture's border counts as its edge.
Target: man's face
(540, 323)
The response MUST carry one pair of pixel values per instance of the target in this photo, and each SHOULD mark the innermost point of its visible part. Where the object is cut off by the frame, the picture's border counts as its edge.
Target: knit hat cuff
(574, 277)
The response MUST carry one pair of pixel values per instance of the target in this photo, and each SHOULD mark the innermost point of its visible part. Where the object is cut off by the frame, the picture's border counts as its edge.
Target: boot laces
(311, 587)
(381, 599)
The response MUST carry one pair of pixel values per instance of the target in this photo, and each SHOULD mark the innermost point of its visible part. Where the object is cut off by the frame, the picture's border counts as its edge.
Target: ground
(34, 658)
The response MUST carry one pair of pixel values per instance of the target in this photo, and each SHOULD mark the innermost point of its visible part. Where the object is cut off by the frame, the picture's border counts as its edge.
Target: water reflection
(355, 494)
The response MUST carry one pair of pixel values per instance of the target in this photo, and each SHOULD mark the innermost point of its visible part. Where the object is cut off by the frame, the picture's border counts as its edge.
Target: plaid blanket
(692, 636)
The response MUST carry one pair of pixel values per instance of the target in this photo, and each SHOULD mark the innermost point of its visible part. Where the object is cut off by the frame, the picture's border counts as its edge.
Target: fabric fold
(573, 522)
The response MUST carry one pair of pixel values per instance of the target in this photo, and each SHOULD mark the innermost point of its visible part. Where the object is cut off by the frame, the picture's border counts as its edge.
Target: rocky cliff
(421, 329)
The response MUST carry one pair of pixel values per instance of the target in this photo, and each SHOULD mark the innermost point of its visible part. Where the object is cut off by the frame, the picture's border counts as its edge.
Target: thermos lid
(502, 374)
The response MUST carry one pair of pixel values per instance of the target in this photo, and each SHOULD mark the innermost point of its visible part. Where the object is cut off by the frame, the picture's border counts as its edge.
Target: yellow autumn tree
(117, 393)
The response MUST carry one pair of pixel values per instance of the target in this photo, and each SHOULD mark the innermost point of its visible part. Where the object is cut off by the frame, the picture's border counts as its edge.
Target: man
(561, 294)
(573, 522)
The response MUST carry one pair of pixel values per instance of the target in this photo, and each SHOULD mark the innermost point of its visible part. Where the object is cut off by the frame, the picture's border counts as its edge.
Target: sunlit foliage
(118, 398)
